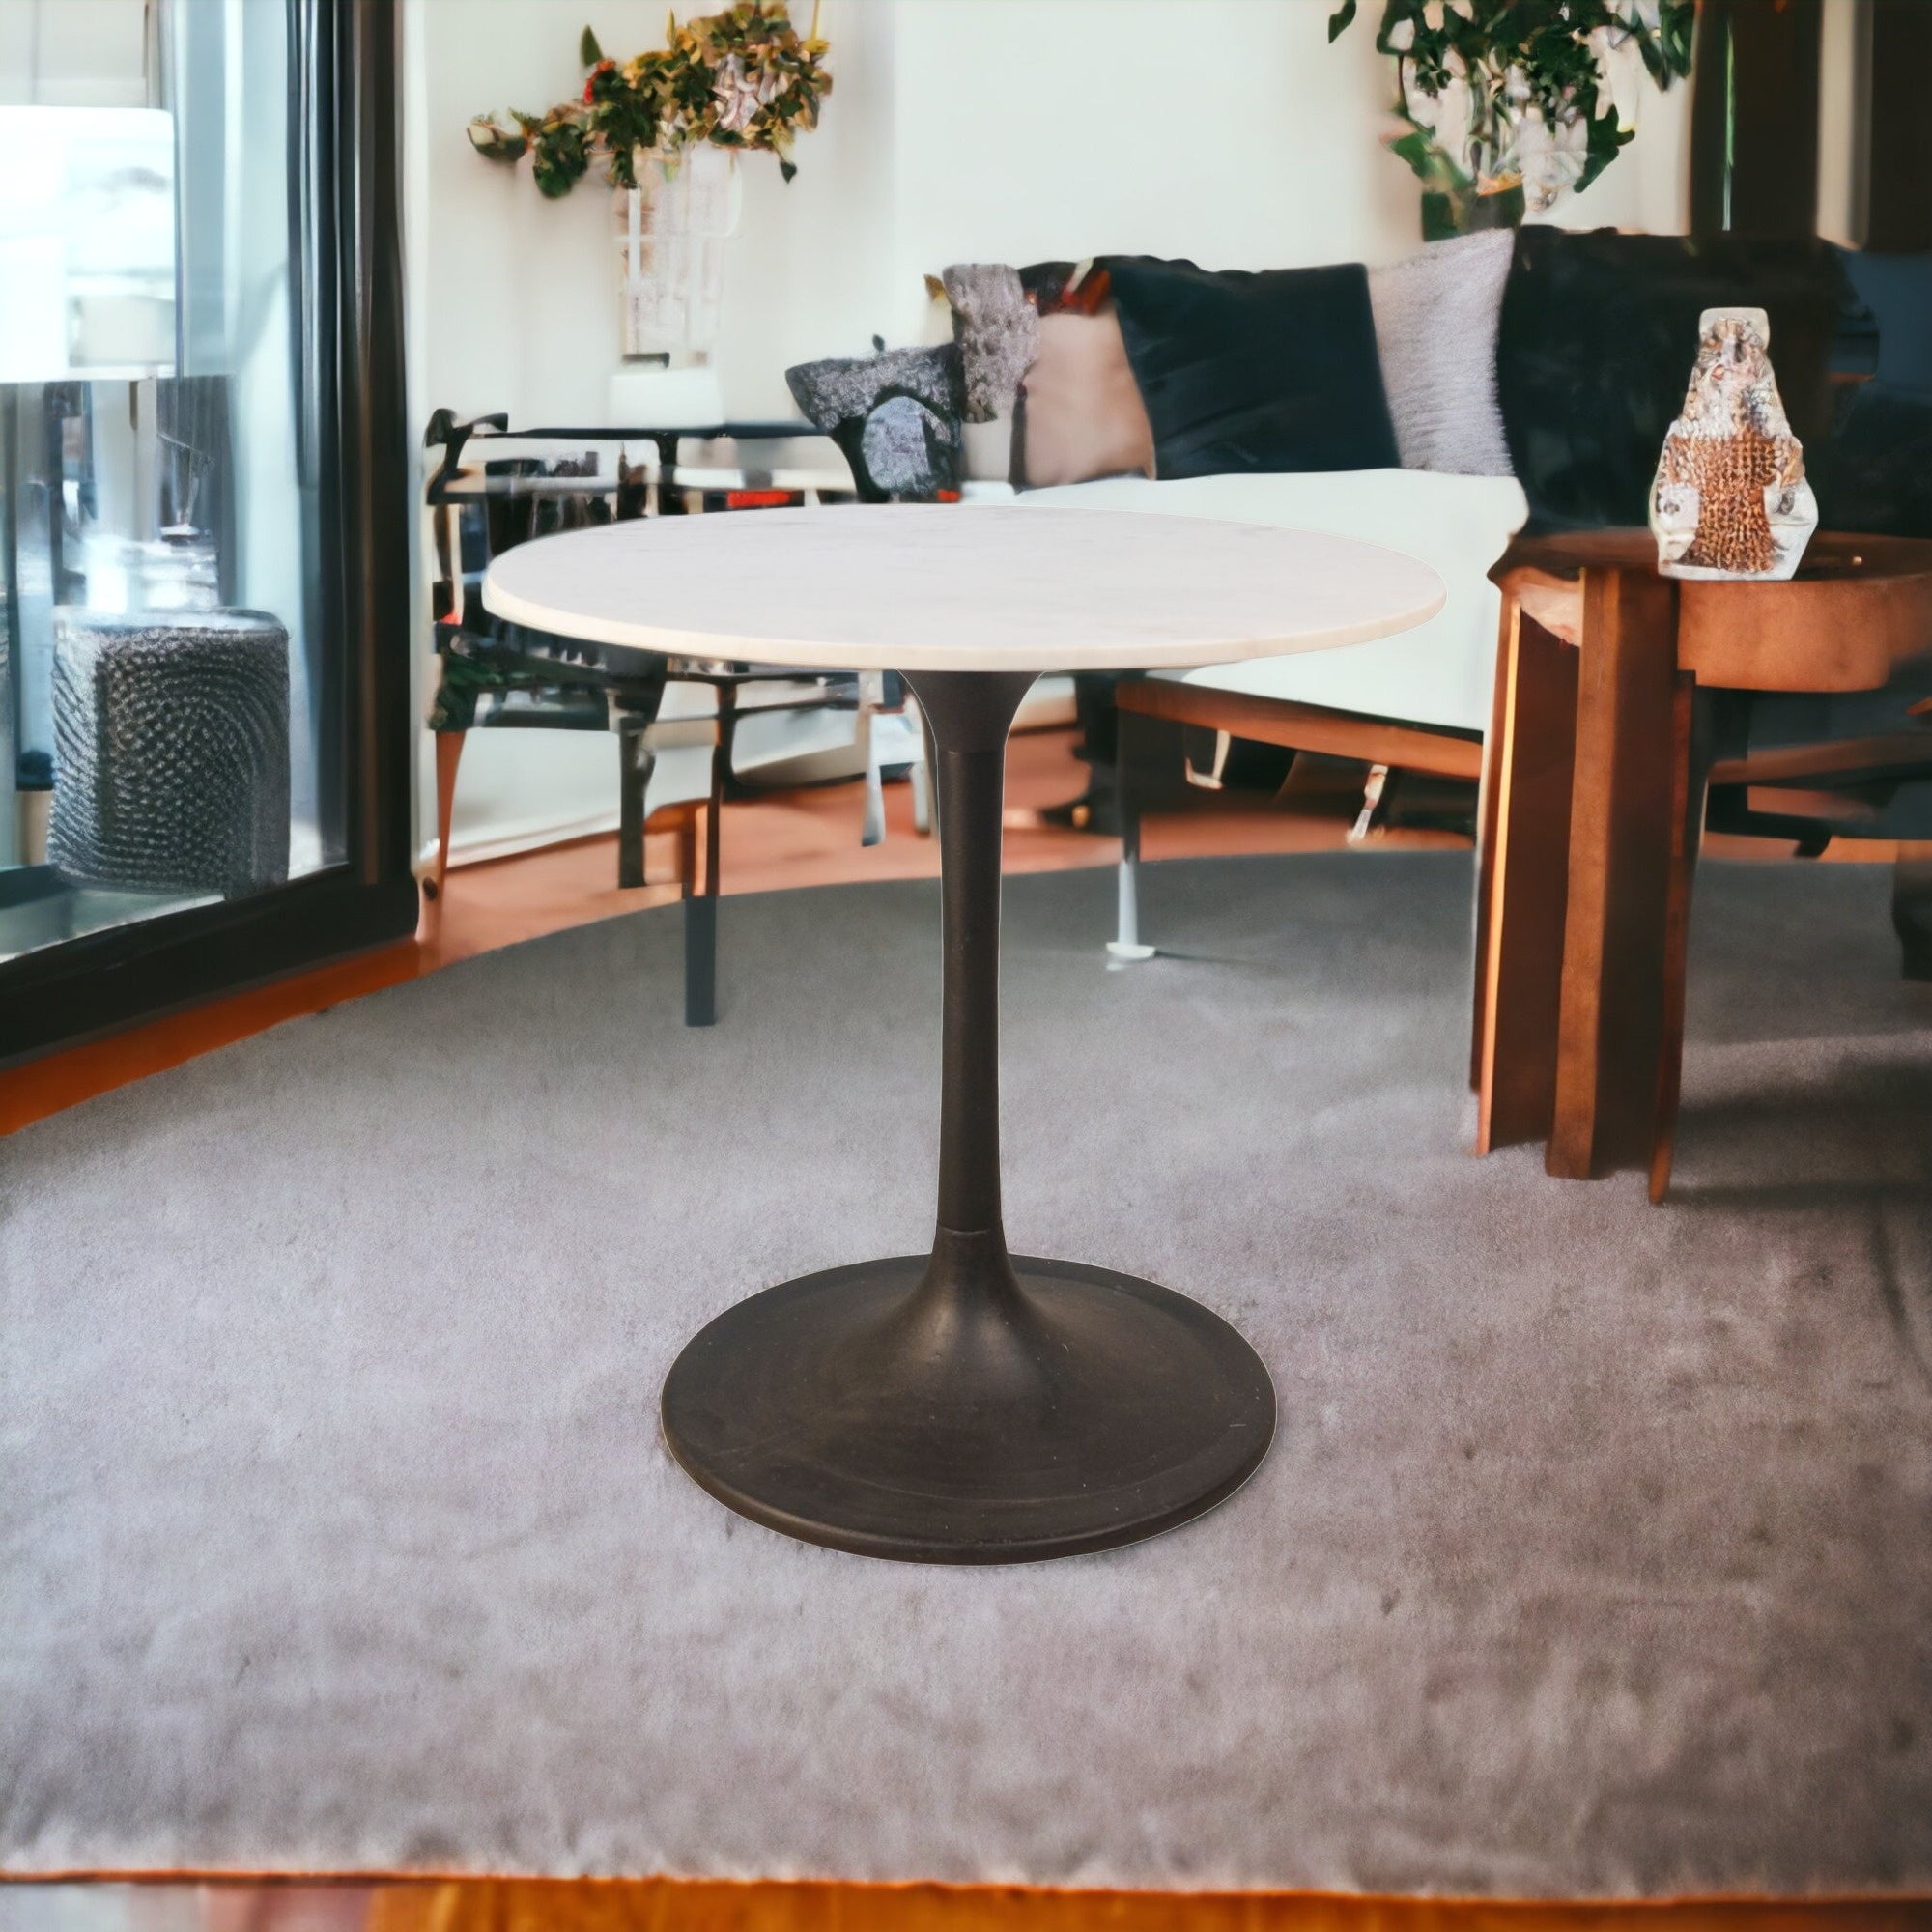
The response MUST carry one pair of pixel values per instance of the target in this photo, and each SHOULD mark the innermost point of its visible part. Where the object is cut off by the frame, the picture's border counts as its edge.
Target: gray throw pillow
(1436, 331)
(997, 329)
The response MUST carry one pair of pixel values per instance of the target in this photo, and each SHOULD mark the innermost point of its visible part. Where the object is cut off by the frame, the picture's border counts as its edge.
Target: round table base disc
(1092, 1410)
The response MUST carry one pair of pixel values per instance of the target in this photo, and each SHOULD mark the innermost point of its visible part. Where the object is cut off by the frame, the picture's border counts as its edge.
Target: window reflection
(161, 680)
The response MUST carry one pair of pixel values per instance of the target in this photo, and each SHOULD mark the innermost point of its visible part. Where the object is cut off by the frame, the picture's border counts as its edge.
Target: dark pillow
(1255, 371)
(1876, 469)
(896, 416)
(1064, 288)
(1598, 337)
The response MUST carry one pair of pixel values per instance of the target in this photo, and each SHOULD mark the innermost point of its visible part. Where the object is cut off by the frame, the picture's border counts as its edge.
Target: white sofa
(1438, 677)
(1439, 673)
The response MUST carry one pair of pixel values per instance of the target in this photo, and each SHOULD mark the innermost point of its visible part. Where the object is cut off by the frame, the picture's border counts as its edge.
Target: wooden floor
(811, 839)
(702, 1905)
(671, 1906)
(806, 837)
(662, 1906)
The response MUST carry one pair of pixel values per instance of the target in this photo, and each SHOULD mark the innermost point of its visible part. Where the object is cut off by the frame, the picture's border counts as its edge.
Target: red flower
(590, 85)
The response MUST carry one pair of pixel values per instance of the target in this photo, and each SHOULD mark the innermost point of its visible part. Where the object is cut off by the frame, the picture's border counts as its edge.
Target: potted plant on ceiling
(667, 125)
(1510, 104)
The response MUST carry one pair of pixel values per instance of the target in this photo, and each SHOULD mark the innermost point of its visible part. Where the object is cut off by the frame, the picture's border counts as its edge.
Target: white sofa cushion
(1439, 673)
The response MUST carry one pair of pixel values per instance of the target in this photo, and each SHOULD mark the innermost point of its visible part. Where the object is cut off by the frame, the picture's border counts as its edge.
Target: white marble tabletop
(917, 588)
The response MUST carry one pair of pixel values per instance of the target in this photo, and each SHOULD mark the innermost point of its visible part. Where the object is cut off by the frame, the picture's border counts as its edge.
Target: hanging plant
(1515, 102)
(743, 78)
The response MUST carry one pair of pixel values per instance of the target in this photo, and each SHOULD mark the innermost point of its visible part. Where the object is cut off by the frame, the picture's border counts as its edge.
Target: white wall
(1845, 53)
(1228, 131)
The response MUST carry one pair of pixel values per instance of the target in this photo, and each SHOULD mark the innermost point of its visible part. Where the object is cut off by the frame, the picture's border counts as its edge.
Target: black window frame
(345, 74)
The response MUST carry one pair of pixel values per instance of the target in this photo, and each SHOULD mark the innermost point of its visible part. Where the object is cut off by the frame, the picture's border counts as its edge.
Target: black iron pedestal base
(969, 1407)
(1067, 1409)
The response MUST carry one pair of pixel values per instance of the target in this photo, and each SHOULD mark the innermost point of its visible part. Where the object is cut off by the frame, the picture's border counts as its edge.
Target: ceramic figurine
(1730, 498)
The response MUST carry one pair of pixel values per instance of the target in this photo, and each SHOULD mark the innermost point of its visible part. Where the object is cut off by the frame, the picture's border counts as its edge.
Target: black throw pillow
(1876, 470)
(1598, 336)
(1268, 370)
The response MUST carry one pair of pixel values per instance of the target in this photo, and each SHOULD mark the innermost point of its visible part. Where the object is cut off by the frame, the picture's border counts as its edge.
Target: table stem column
(968, 713)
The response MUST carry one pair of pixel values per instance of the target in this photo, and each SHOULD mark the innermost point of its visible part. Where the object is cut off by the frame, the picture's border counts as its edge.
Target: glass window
(168, 732)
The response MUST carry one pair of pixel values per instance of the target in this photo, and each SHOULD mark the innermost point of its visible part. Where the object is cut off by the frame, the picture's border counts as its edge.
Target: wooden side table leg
(1691, 766)
(1486, 838)
(1527, 782)
(1623, 807)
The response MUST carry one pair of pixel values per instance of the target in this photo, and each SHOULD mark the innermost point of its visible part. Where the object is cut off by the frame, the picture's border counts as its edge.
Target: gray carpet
(1594, 1556)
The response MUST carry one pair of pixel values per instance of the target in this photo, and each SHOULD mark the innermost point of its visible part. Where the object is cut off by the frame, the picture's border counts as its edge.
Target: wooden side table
(1595, 776)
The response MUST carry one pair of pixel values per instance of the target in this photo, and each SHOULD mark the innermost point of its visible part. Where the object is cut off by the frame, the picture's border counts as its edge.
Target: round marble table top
(946, 587)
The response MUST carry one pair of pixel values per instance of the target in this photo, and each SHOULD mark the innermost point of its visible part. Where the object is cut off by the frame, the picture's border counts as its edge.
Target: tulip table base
(969, 1406)
(1048, 1408)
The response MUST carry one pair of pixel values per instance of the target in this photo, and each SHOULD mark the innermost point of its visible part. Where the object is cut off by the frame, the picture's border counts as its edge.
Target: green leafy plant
(1514, 99)
(741, 78)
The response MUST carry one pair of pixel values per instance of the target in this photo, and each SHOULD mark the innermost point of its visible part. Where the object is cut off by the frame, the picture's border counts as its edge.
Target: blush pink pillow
(1081, 416)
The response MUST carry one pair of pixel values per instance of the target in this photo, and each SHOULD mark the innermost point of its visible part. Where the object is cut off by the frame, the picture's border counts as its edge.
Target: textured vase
(171, 733)
(671, 231)
(1730, 499)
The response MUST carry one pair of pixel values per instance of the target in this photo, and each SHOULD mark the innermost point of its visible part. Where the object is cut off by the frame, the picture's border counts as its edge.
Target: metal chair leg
(1125, 945)
(1374, 791)
(874, 830)
(700, 961)
(922, 799)
(701, 909)
(925, 783)
(635, 763)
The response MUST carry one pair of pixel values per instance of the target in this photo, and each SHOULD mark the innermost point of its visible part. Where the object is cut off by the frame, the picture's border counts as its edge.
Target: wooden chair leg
(636, 761)
(1622, 809)
(1528, 778)
(448, 755)
(1691, 720)
(1911, 906)
(686, 849)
